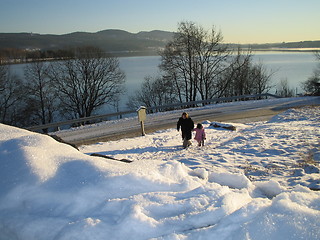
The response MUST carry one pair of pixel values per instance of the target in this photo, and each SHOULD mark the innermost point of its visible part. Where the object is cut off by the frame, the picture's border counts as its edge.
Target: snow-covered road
(235, 111)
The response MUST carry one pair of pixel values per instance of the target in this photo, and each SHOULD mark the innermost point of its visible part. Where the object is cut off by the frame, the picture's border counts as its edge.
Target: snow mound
(238, 181)
(245, 184)
(270, 188)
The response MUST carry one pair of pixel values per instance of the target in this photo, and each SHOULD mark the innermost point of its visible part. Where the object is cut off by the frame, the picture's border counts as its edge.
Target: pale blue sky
(240, 21)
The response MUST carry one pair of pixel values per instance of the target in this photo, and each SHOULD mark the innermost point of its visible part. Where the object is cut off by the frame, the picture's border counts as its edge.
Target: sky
(240, 21)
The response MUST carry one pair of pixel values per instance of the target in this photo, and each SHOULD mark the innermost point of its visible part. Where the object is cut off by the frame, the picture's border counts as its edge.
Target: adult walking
(186, 124)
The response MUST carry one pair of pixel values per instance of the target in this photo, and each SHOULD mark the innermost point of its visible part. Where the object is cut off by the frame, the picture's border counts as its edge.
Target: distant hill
(118, 42)
(289, 46)
(114, 41)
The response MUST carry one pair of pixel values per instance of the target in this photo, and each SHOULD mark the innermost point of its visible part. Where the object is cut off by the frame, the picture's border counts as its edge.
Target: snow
(258, 182)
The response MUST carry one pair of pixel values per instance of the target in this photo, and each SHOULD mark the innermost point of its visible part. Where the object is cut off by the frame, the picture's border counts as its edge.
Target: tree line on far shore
(195, 65)
(15, 55)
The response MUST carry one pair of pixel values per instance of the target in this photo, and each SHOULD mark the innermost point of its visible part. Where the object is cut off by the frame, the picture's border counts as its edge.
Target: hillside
(114, 40)
(109, 40)
(302, 45)
(117, 42)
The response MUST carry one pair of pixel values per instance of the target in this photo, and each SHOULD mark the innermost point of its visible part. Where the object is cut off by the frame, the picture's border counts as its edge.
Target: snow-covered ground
(258, 182)
(228, 110)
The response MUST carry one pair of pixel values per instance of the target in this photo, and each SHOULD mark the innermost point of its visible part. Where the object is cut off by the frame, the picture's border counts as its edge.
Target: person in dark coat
(186, 124)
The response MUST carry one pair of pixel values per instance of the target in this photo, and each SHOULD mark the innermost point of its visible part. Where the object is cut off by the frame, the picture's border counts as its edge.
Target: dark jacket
(186, 126)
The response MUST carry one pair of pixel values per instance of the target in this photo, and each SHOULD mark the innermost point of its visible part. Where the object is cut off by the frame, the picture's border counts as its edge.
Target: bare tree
(233, 81)
(259, 79)
(312, 85)
(87, 82)
(283, 89)
(40, 94)
(154, 91)
(317, 54)
(193, 60)
(243, 77)
(10, 94)
(3, 76)
(200, 66)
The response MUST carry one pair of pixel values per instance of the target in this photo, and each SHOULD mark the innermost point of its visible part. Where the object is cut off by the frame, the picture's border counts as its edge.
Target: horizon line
(116, 29)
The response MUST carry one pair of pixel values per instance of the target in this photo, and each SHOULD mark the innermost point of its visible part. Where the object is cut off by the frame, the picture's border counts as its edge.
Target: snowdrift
(49, 190)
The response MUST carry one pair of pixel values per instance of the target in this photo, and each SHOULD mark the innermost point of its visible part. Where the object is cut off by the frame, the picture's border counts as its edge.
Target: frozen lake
(296, 67)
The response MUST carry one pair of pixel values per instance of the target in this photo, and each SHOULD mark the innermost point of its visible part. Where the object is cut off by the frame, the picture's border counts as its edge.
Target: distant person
(186, 124)
(200, 134)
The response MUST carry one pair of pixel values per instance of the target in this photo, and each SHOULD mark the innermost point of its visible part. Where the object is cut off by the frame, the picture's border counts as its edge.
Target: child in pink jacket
(200, 134)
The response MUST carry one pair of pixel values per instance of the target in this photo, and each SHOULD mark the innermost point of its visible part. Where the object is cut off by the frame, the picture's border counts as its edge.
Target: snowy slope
(161, 120)
(252, 183)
